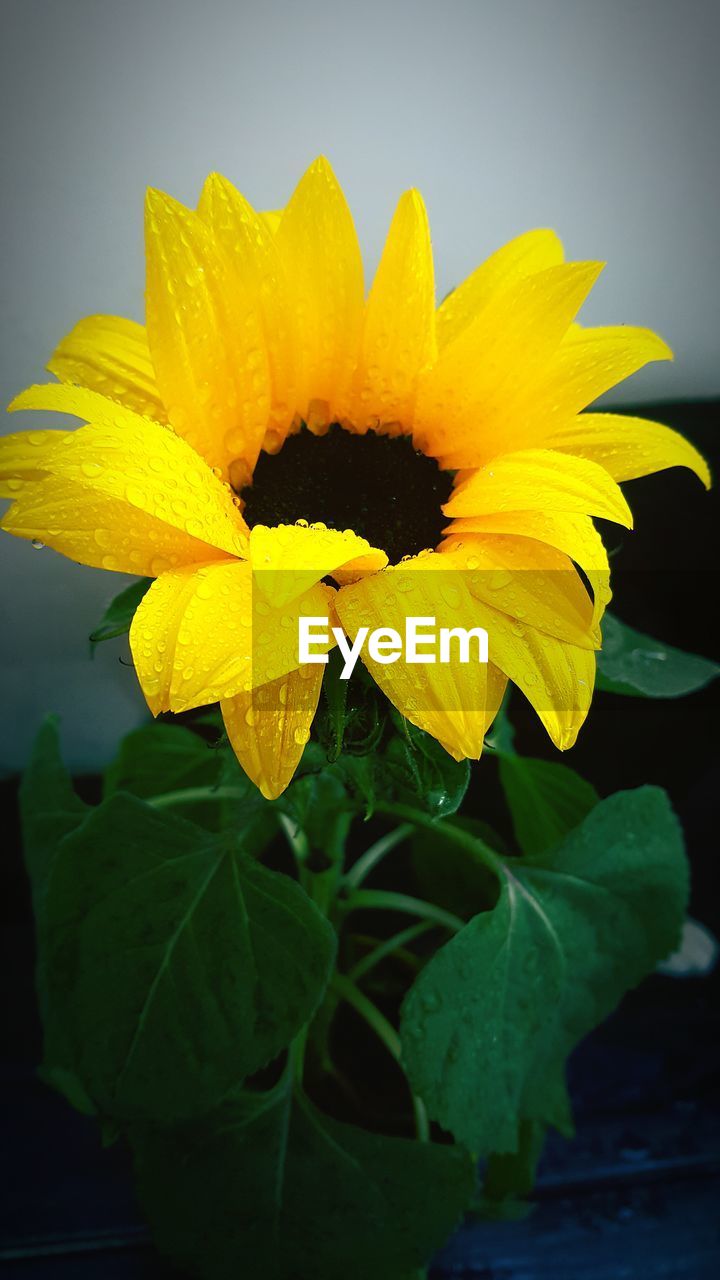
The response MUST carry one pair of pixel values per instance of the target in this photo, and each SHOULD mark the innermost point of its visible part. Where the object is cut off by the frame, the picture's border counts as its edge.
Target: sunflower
(275, 444)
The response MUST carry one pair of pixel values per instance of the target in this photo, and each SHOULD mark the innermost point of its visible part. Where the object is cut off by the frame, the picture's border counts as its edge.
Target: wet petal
(455, 702)
(24, 456)
(399, 327)
(98, 530)
(323, 267)
(469, 394)
(589, 362)
(451, 700)
(289, 558)
(110, 355)
(248, 242)
(139, 463)
(202, 633)
(574, 535)
(205, 336)
(540, 480)
(269, 727)
(521, 257)
(527, 580)
(628, 447)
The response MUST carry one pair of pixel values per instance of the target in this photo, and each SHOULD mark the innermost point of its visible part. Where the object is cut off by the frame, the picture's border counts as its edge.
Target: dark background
(636, 1195)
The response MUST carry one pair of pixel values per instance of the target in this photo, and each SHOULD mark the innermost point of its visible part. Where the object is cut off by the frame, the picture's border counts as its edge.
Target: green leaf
(546, 800)
(49, 811)
(632, 663)
(510, 1178)
(119, 614)
(160, 758)
(177, 964)
(489, 1022)
(49, 807)
(271, 1187)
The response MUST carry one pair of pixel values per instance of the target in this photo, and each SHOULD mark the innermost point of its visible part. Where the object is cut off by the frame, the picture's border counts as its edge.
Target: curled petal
(110, 355)
(203, 633)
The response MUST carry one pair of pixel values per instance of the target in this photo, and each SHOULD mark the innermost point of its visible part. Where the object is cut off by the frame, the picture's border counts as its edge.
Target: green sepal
(270, 1186)
(118, 616)
(335, 693)
(488, 1024)
(409, 765)
(634, 664)
(318, 804)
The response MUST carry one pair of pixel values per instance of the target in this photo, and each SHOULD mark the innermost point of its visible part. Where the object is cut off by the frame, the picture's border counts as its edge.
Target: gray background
(599, 119)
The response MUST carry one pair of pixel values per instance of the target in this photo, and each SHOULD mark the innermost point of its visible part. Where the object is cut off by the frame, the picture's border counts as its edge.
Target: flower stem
(385, 900)
(194, 795)
(377, 851)
(387, 1034)
(388, 947)
(477, 848)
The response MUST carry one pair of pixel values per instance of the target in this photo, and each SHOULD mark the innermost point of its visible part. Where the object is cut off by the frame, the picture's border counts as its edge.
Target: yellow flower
(449, 442)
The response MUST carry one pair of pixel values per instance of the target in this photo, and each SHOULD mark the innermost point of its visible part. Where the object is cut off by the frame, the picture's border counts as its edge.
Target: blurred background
(600, 120)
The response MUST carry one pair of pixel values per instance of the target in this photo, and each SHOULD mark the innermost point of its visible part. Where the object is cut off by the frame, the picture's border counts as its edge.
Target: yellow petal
(323, 267)
(272, 219)
(455, 702)
(588, 363)
(24, 456)
(521, 257)
(202, 633)
(540, 480)
(110, 355)
(399, 328)
(140, 463)
(248, 242)
(205, 337)
(269, 727)
(574, 535)
(628, 447)
(527, 580)
(451, 700)
(98, 530)
(288, 558)
(467, 397)
(556, 678)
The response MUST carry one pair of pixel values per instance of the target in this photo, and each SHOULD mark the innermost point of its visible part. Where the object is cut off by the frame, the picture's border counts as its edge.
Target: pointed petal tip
(154, 198)
(321, 168)
(158, 203)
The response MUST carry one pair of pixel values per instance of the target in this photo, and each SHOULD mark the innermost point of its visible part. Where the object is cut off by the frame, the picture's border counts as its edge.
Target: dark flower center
(379, 486)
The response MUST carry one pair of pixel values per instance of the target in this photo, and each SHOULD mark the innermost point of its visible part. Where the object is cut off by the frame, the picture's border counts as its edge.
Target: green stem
(387, 1034)
(377, 851)
(454, 835)
(386, 948)
(300, 848)
(385, 900)
(194, 795)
